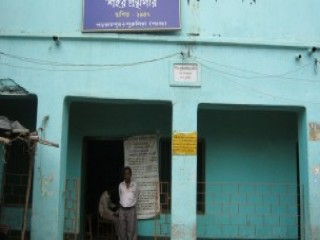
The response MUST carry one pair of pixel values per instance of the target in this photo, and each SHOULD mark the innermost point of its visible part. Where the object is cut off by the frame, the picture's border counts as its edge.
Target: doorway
(103, 164)
(252, 173)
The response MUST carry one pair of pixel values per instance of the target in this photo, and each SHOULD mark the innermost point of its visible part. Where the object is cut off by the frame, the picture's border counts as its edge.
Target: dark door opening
(103, 164)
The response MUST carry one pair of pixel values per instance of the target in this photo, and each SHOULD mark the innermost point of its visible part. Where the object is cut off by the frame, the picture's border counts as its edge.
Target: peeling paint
(176, 231)
(314, 131)
(316, 173)
(315, 233)
(194, 231)
(195, 28)
(181, 231)
(316, 170)
(45, 186)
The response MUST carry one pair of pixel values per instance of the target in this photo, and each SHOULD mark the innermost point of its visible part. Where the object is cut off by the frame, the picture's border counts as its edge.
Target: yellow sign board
(184, 143)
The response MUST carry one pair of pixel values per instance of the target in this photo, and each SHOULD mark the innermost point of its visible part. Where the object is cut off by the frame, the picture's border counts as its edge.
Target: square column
(309, 150)
(49, 171)
(184, 175)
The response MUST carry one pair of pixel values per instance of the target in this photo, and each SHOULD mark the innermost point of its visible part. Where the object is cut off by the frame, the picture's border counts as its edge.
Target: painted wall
(290, 21)
(246, 51)
(141, 82)
(251, 173)
(246, 146)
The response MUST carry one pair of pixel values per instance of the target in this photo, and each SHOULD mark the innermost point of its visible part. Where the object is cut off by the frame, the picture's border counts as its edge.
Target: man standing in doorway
(128, 193)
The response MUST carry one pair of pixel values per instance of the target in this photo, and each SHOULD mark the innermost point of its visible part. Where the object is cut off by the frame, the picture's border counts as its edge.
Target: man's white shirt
(128, 196)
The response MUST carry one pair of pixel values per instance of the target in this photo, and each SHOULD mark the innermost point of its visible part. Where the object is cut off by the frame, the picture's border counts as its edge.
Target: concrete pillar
(309, 142)
(49, 171)
(184, 174)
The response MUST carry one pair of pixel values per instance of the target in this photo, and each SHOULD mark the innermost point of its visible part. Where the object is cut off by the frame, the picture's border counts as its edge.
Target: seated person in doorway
(106, 210)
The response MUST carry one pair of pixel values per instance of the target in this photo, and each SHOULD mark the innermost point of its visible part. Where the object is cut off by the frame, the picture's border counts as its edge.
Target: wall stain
(179, 231)
(314, 131)
(316, 173)
(315, 233)
(45, 186)
(195, 29)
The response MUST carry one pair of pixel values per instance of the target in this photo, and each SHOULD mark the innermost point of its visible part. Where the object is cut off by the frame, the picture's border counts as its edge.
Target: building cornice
(167, 38)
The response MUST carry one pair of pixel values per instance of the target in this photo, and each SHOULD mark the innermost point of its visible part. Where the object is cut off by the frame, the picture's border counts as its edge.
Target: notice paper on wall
(141, 154)
(184, 143)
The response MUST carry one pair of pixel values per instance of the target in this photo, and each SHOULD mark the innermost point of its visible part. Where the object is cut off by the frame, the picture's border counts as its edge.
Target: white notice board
(141, 154)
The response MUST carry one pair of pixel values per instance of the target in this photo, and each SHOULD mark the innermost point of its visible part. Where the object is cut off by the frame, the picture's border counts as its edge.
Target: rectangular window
(15, 176)
(165, 175)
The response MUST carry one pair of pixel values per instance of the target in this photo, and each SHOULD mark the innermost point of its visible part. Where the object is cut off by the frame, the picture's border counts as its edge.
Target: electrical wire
(72, 67)
(103, 67)
(250, 71)
(56, 70)
(62, 64)
(260, 75)
(252, 88)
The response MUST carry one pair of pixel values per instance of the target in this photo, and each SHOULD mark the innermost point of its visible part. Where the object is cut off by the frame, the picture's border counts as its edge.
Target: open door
(103, 164)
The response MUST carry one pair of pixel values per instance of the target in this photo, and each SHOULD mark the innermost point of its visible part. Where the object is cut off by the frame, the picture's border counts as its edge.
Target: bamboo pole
(32, 150)
(44, 142)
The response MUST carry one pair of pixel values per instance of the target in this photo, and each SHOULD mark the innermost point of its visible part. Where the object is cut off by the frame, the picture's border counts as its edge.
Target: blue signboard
(130, 15)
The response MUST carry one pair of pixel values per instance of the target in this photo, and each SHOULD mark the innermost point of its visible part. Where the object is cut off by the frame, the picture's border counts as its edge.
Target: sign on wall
(141, 154)
(130, 15)
(185, 74)
(184, 143)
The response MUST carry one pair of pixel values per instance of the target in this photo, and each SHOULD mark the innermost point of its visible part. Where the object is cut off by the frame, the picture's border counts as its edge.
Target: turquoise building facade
(254, 104)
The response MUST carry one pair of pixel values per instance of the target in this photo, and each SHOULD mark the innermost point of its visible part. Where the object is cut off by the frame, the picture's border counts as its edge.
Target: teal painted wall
(251, 173)
(246, 146)
(246, 51)
(293, 20)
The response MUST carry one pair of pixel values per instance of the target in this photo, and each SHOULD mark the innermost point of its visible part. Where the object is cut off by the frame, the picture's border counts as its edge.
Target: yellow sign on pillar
(184, 143)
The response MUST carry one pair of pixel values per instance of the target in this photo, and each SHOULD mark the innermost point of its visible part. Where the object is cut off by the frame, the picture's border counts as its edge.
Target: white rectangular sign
(185, 73)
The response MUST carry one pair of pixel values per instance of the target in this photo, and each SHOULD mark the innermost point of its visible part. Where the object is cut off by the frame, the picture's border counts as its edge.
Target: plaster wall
(246, 53)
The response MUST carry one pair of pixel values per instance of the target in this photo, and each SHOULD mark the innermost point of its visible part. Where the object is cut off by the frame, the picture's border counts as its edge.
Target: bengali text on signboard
(131, 15)
(185, 73)
(184, 143)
